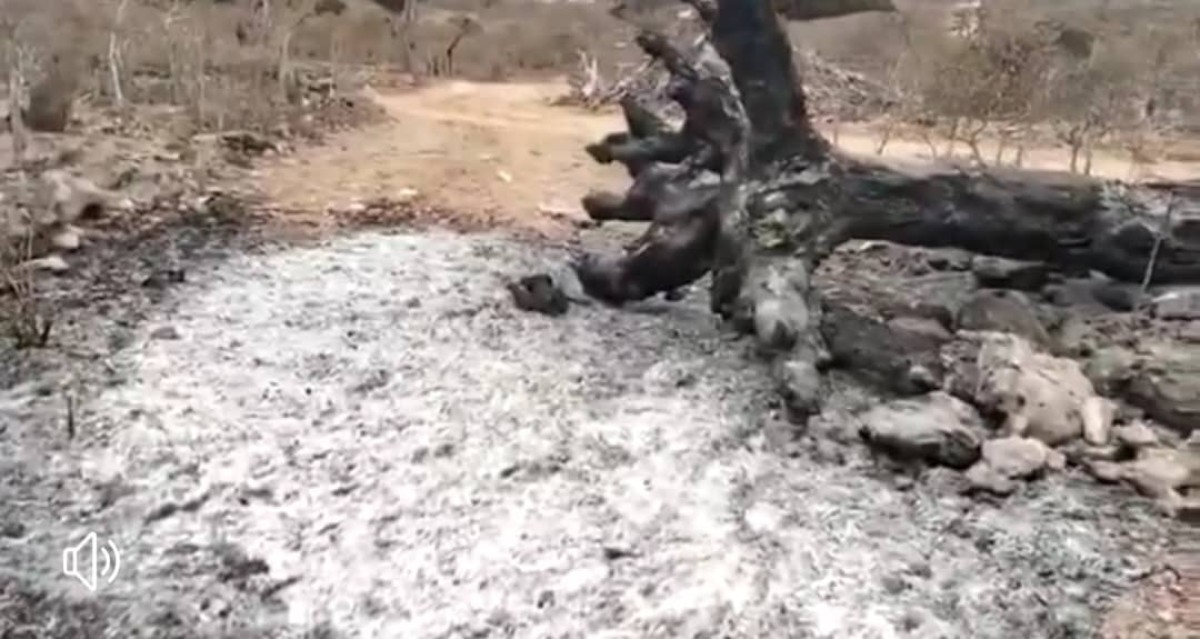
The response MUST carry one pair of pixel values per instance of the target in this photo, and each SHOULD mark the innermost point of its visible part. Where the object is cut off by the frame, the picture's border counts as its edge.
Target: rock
(1016, 457)
(1106, 472)
(1119, 296)
(998, 272)
(949, 259)
(983, 478)
(1182, 303)
(1135, 436)
(1040, 396)
(1160, 471)
(64, 198)
(12, 529)
(165, 333)
(1003, 312)
(1110, 369)
(1098, 413)
(1189, 511)
(1074, 338)
(1080, 452)
(67, 239)
(538, 293)
(50, 264)
(1166, 384)
(800, 388)
(936, 429)
(900, 355)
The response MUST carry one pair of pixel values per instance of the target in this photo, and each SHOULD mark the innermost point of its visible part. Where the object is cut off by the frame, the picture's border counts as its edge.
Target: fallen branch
(749, 191)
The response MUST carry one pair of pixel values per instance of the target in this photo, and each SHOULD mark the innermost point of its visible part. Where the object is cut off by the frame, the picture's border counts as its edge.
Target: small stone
(1105, 471)
(1080, 452)
(949, 260)
(983, 478)
(1135, 436)
(1056, 461)
(1181, 303)
(1110, 369)
(165, 333)
(50, 264)
(1097, 414)
(12, 529)
(1158, 471)
(68, 239)
(1016, 457)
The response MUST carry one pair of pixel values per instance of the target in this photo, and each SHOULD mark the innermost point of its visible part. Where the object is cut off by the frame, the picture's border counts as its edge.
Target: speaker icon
(101, 562)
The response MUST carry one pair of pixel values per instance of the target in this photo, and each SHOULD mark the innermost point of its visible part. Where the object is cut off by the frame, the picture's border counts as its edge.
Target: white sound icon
(104, 562)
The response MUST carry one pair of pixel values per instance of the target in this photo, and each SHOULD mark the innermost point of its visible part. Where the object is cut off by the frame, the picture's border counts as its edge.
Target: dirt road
(504, 149)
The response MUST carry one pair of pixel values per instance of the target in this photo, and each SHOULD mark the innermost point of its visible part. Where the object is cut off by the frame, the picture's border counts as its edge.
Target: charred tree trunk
(749, 191)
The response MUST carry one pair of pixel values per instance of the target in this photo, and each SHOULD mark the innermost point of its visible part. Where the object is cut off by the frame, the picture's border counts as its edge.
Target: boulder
(1038, 395)
(936, 429)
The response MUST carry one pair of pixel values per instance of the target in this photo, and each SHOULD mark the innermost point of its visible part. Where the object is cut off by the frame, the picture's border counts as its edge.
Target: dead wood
(748, 191)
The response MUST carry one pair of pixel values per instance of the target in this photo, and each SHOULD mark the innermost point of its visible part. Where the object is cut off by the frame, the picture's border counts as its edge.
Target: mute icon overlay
(90, 562)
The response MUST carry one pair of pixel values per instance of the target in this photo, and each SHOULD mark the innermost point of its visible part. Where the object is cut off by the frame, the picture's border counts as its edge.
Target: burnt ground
(360, 436)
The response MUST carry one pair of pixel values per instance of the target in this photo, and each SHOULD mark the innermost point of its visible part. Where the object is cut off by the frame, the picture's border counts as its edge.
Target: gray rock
(949, 259)
(1098, 414)
(1181, 303)
(1110, 369)
(1004, 312)
(800, 386)
(901, 355)
(1166, 384)
(998, 272)
(937, 429)
(1135, 436)
(1158, 472)
(983, 478)
(1119, 296)
(1016, 457)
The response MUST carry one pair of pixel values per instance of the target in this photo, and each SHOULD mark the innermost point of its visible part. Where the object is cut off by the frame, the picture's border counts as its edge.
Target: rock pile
(1009, 371)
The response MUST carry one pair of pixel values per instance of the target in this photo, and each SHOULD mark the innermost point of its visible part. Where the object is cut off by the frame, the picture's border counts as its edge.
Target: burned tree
(748, 191)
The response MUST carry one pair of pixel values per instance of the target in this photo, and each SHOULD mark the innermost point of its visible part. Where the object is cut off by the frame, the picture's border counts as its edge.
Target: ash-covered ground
(364, 438)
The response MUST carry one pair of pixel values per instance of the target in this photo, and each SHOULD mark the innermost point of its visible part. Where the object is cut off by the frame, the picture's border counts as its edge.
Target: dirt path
(505, 150)
(500, 149)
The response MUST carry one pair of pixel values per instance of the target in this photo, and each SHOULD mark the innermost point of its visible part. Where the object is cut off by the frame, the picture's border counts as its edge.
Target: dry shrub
(23, 318)
(1026, 69)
